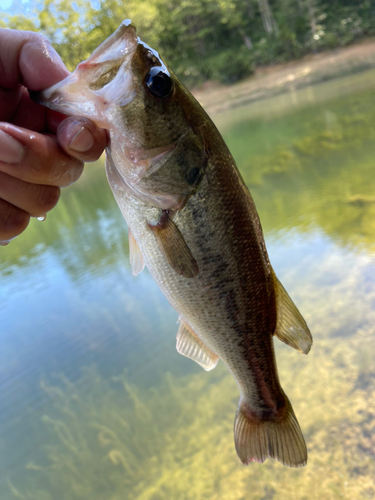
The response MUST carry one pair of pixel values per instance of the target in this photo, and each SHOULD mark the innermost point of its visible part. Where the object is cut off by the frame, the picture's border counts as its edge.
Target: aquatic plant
(111, 440)
(322, 172)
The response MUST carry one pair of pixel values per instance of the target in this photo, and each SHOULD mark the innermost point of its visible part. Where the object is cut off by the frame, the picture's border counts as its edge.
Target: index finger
(28, 59)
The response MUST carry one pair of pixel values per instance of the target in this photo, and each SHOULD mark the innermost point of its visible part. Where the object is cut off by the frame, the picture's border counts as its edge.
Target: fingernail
(4, 243)
(82, 141)
(11, 151)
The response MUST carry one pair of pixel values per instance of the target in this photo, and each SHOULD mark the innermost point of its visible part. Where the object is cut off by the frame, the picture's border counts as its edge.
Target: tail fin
(281, 438)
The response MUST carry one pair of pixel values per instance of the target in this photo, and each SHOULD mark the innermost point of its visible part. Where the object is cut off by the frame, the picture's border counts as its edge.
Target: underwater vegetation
(109, 439)
(315, 164)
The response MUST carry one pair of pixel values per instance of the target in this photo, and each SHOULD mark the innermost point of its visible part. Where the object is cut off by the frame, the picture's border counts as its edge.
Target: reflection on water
(95, 401)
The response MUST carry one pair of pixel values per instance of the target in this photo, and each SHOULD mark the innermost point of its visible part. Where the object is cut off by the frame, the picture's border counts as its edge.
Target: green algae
(175, 441)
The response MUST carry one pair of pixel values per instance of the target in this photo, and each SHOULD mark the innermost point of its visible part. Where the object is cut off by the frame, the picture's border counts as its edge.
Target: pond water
(95, 401)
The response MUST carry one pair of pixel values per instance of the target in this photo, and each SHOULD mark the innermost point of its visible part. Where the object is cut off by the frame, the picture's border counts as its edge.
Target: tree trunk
(247, 41)
(312, 19)
(269, 22)
(245, 38)
(250, 10)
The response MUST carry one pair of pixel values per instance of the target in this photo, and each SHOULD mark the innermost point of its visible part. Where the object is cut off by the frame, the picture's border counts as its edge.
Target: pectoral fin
(192, 347)
(291, 328)
(135, 256)
(172, 244)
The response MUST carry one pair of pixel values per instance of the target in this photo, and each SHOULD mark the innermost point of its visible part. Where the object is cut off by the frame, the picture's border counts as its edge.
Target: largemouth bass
(193, 223)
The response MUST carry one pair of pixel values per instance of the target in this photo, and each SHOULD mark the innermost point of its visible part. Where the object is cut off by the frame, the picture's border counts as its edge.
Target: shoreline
(274, 80)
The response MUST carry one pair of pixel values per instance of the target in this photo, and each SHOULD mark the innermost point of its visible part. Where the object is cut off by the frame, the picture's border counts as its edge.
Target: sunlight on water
(97, 404)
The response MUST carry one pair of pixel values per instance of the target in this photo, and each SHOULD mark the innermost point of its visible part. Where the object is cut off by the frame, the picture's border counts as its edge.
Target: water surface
(95, 401)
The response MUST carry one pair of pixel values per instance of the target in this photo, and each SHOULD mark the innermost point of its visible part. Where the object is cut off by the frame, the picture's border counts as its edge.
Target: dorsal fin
(291, 328)
(192, 347)
(135, 255)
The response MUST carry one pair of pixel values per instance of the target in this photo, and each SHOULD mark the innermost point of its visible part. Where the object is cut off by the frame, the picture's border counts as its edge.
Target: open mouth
(104, 79)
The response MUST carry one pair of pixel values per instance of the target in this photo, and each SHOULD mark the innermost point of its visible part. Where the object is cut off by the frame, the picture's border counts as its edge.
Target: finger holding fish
(20, 198)
(33, 167)
(81, 139)
(39, 150)
(35, 199)
(37, 158)
(13, 221)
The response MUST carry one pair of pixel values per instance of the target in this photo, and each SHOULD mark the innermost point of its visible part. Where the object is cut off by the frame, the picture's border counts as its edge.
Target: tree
(269, 23)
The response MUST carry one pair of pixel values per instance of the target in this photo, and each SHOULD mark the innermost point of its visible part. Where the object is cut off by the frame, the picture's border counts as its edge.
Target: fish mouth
(103, 80)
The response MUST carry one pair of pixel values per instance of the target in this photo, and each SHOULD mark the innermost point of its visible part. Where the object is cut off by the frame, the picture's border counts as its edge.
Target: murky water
(95, 401)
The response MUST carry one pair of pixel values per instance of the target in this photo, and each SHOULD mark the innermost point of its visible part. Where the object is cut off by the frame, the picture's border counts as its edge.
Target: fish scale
(193, 223)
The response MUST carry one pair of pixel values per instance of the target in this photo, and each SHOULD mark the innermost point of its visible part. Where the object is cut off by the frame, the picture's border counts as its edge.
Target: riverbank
(288, 77)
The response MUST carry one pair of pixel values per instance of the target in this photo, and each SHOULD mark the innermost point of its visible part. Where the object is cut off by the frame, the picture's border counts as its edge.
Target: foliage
(222, 40)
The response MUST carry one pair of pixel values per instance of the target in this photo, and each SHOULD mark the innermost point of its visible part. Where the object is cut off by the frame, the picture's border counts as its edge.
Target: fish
(192, 221)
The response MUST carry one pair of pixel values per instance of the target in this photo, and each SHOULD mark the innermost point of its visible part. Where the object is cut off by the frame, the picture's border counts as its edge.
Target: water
(95, 401)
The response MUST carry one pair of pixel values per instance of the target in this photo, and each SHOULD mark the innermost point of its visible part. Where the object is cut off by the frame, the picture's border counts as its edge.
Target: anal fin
(192, 347)
(291, 328)
(171, 242)
(135, 256)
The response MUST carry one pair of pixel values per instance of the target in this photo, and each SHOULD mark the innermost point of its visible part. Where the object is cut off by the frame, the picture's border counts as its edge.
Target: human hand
(40, 150)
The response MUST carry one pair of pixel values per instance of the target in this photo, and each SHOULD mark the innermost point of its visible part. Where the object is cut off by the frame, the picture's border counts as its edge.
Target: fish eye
(158, 82)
